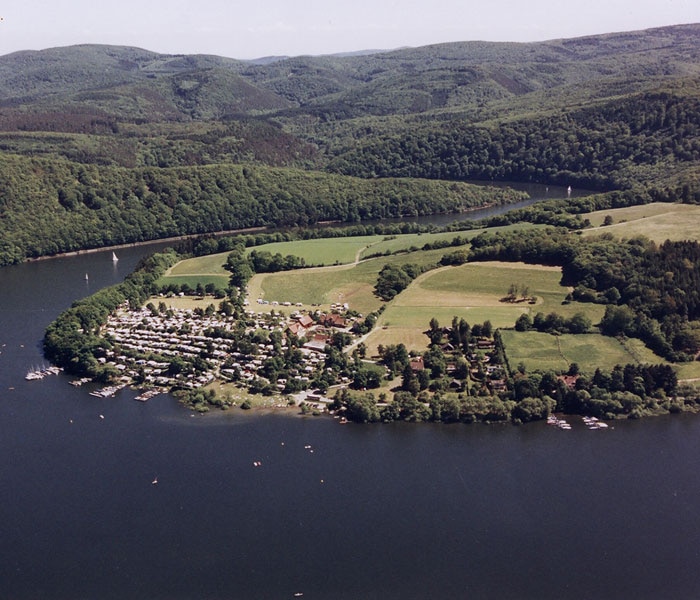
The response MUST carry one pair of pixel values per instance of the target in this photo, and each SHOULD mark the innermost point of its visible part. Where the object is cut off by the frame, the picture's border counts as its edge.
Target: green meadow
(413, 241)
(326, 251)
(352, 284)
(473, 291)
(658, 221)
(201, 270)
(543, 351)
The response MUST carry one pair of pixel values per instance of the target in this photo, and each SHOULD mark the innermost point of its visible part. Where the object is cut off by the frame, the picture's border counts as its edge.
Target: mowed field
(473, 292)
(203, 269)
(321, 286)
(542, 351)
(658, 221)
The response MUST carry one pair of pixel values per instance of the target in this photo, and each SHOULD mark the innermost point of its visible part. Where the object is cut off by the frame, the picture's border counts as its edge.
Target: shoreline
(246, 230)
(177, 238)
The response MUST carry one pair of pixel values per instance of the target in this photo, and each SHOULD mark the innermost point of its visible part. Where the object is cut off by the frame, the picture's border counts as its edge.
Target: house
(296, 329)
(334, 320)
(569, 380)
(305, 321)
(417, 364)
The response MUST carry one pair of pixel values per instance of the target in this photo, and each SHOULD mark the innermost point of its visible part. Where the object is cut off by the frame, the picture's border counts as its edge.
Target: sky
(253, 29)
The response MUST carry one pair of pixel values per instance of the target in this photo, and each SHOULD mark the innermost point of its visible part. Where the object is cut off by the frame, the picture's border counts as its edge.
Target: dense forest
(52, 206)
(102, 145)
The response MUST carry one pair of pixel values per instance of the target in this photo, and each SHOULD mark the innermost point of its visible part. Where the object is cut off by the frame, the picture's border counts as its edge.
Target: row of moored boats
(34, 374)
(590, 422)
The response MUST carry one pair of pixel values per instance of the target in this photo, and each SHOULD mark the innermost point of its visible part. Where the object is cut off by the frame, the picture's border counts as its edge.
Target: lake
(393, 511)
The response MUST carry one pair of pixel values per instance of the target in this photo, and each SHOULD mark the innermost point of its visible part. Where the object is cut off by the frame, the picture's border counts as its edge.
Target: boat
(86, 277)
(560, 423)
(593, 423)
(34, 374)
(115, 258)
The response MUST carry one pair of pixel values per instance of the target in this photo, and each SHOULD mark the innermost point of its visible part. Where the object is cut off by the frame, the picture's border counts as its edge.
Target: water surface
(334, 511)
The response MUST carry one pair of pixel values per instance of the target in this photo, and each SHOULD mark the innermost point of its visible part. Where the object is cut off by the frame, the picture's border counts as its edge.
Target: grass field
(321, 252)
(657, 221)
(401, 243)
(204, 270)
(473, 292)
(352, 283)
(542, 351)
(330, 251)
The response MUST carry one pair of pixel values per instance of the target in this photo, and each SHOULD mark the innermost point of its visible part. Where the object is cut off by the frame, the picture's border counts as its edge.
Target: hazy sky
(291, 27)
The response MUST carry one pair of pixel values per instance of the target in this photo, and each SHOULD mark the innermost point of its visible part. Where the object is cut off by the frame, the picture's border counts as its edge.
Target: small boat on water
(115, 258)
(593, 423)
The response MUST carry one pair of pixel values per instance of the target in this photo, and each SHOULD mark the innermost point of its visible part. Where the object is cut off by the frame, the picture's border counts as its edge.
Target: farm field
(353, 283)
(473, 292)
(405, 242)
(202, 270)
(542, 351)
(328, 251)
(658, 221)
(325, 251)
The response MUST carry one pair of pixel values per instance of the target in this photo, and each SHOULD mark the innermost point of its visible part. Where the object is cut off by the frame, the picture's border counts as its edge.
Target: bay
(333, 511)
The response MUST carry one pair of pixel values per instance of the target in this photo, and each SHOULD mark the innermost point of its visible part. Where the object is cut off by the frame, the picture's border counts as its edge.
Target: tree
(524, 322)
(435, 331)
(617, 320)
(579, 323)
(409, 381)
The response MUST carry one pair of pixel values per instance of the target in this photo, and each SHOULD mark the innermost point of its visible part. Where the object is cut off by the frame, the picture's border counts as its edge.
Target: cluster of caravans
(140, 336)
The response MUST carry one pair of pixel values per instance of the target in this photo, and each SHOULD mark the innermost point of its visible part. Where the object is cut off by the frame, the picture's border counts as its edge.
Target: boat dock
(147, 395)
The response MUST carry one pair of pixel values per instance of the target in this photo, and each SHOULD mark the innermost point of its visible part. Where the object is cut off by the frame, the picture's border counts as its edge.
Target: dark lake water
(335, 511)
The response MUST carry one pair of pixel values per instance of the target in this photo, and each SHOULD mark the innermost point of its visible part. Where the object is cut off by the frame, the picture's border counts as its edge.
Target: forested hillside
(105, 144)
(52, 205)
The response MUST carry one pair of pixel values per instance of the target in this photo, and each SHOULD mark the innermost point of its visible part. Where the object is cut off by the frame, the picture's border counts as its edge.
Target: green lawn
(202, 265)
(353, 284)
(203, 269)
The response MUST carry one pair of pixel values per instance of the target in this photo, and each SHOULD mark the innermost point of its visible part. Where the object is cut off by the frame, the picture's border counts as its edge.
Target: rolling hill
(619, 111)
